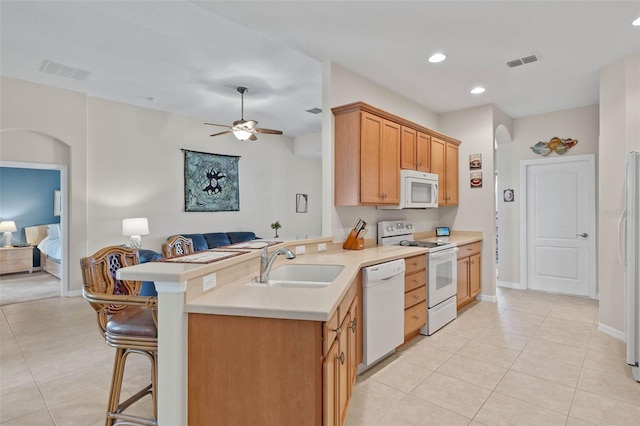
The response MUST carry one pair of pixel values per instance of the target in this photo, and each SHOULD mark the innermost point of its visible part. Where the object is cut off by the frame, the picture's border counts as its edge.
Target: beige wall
(474, 127)
(619, 133)
(41, 124)
(578, 123)
(125, 161)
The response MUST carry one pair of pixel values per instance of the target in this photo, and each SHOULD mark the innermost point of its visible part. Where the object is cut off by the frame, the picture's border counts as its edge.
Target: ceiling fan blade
(221, 133)
(253, 137)
(269, 131)
(220, 125)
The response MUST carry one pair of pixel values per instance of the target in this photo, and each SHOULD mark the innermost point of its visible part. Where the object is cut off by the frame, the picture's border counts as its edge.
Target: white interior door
(559, 225)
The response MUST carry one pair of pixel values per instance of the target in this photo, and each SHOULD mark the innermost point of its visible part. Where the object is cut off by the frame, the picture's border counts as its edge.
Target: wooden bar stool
(128, 323)
(177, 246)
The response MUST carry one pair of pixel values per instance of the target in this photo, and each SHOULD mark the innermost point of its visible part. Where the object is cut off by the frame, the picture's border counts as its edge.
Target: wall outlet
(300, 250)
(322, 246)
(208, 282)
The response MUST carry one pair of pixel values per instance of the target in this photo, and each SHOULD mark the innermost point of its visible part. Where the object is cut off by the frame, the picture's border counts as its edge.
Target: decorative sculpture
(556, 144)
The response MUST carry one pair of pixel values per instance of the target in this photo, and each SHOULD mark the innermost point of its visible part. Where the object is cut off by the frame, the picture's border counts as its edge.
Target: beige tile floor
(531, 358)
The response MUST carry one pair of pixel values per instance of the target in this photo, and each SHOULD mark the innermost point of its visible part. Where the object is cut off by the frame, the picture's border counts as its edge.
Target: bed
(47, 239)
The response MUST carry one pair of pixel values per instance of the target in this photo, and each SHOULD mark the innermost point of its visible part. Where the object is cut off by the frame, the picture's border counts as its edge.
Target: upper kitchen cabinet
(415, 148)
(372, 145)
(367, 159)
(444, 163)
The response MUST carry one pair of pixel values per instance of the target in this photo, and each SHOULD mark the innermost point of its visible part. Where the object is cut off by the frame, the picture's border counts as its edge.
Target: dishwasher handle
(443, 253)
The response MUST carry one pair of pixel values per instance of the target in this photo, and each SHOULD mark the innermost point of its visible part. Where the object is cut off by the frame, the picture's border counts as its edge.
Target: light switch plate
(208, 282)
(322, 246)
(300, 250)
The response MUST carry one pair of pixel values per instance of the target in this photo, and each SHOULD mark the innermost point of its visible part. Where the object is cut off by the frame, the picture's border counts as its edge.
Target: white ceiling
(191, 55)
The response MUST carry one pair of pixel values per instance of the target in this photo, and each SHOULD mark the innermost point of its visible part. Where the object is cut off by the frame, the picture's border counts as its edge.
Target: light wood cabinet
(469, 273)
(16, 259)
(444, 163)
(415, 147)
(370, 148)
(249, 370)
(415, 294)
(367, 159)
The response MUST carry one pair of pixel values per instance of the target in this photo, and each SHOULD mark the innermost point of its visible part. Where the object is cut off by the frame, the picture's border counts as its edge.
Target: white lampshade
(135, 226)
(8, 226)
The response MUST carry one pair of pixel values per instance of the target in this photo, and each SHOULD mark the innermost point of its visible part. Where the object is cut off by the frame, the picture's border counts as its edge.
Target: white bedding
(50, 247)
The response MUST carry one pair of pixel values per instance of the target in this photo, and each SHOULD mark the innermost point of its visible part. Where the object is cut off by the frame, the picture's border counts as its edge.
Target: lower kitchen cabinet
(469, 273)
(268, 371)
(415, 294)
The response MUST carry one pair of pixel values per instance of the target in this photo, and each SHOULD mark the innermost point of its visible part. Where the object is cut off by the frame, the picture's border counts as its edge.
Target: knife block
(353, 242)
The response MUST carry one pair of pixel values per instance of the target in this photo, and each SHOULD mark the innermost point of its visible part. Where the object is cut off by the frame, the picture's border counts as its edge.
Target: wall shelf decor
(210, 182)
(560, 146)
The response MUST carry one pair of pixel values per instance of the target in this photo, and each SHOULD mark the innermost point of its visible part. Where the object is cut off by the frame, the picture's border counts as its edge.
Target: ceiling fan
(244, 129)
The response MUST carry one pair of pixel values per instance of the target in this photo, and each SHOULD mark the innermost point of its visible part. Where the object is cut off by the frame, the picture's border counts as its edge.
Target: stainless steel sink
(302, 275)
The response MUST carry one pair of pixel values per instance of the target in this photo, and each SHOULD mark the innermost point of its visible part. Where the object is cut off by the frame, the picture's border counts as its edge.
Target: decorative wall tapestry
(555, 144)
(210, 182)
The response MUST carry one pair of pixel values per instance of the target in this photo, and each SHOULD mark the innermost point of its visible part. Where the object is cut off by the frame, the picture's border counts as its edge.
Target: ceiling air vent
(66, 71)
(522, 61)
(314, 110)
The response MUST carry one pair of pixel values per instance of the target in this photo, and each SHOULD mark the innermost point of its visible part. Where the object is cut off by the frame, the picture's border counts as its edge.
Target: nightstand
(16, 259)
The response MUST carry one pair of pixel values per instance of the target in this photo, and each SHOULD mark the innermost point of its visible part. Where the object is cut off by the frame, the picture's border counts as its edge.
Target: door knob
(583, 235)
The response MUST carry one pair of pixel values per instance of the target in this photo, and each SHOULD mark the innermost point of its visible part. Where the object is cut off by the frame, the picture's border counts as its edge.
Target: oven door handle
(443, 253)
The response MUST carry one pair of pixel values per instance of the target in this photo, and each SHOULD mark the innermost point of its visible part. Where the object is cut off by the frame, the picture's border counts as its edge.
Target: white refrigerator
(632, 254)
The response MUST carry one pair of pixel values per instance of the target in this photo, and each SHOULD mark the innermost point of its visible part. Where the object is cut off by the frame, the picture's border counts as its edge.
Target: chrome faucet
(266, 263)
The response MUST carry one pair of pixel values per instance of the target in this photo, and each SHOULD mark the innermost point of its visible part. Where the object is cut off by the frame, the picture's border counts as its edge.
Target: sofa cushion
(240, 237)
(199, 242)
(217, 239)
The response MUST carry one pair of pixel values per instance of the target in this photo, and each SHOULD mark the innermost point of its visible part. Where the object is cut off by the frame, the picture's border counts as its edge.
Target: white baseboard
(486, 298)
(506, 284)
(610, 331)
(74, 293)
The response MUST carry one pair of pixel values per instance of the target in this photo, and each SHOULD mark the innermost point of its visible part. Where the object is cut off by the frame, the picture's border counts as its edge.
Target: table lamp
(134, 228)
(8, 226)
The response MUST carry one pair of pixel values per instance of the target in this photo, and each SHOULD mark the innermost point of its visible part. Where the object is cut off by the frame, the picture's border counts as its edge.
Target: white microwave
(418, 190)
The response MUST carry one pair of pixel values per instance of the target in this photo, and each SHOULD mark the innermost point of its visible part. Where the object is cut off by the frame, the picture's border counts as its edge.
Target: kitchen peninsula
(192, 324)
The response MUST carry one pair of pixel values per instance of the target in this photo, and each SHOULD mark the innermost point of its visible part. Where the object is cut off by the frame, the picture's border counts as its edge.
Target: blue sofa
(212, 240)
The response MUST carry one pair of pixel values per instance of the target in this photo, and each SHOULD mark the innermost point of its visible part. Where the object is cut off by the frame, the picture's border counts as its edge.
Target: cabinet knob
(415, 317)
(336, 330)
(353, 324)
(341, 358)
(415, 296)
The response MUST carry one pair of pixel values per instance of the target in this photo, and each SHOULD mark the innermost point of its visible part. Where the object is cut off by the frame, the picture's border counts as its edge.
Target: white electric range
(442, 271)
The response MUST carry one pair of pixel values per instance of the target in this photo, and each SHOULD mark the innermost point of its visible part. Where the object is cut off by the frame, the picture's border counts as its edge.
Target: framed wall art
(210, 182)
(302, 201)
(475, 161)
(475, 180)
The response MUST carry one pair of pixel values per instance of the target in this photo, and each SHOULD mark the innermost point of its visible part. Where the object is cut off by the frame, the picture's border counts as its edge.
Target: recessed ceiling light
(636, 22)
(477, 90)
(437, 57)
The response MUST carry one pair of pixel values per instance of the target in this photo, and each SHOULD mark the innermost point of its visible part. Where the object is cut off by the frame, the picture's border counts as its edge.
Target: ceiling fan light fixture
(242, 135)
(636, 22)
(477, 90)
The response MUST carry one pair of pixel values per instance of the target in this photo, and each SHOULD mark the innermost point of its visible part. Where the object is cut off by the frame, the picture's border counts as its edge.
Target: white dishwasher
(383, 307)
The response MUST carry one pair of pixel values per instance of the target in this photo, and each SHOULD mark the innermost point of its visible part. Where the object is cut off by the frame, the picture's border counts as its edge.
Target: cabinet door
(370, 156)
(438, 149)
(330, 386)
(451, 174)
(343, 368)
(474, 275)
(423, 152)
(390, 163)
(353, 341)
(463, 282)
(408, 148)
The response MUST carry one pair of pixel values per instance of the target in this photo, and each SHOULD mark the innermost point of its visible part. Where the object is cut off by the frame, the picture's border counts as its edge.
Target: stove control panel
(395, 227)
